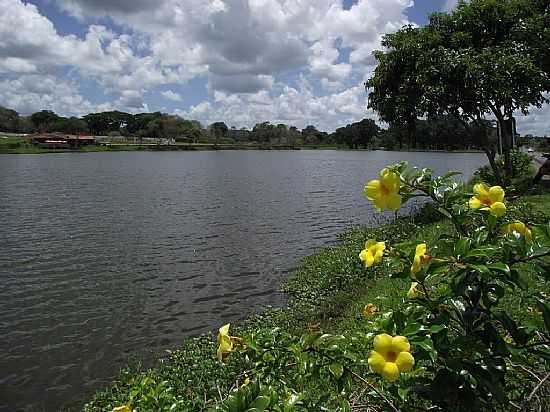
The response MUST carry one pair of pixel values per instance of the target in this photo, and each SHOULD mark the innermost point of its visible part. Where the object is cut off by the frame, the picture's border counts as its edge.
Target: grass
(17, 145)
(328, 290)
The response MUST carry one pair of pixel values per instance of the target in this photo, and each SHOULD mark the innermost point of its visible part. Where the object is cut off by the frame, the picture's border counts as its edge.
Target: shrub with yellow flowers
(450, 346)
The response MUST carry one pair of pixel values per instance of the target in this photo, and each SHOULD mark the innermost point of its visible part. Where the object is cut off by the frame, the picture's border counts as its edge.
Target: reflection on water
(111, 255)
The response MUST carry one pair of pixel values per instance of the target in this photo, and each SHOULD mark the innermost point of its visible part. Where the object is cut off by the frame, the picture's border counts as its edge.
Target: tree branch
(530, 258)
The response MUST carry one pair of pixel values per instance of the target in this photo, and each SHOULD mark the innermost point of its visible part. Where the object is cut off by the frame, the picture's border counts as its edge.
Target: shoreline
(327, 291)
(33, 150)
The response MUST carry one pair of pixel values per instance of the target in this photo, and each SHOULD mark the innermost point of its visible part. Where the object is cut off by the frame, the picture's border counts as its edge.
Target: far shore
(9, 146)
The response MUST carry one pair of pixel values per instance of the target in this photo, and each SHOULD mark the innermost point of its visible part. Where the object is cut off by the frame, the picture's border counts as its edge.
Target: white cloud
(450, 5)
(237, 41)
(298, 61)
(293, 106)
(30, 43)
(31, 93)
(537, 122)
(171, 95)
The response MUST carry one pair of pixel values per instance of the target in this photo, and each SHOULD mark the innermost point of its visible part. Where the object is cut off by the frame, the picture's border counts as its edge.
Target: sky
(297, 62)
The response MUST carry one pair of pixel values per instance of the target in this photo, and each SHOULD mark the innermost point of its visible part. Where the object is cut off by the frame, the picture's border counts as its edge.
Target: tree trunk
(506, 133)
(505, 126)
(491, 155)
(411, 131)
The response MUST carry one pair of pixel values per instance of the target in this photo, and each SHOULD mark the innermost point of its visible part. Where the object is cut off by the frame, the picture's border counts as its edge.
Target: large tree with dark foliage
(488, 57)
(105, 122)
(9, 120)
(44, 120)
(358, 134)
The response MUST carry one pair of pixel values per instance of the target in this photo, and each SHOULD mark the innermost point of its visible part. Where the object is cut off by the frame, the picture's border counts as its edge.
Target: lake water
(106, 256)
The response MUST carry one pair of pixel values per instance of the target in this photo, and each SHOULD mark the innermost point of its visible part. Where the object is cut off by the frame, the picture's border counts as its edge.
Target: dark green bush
(522, 167)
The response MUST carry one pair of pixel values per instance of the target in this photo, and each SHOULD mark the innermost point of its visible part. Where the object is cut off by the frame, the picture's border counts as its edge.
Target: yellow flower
(521, 228)
(391, 356)
(414, 291)
(372, 253)
(246, 382)
(420, 257)
(124, 408)
(384, 193)
(369, 310)
(488, 198)
(226, 343)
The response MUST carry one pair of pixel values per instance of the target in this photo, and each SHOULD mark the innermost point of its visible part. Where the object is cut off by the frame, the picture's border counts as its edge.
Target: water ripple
(111, 256)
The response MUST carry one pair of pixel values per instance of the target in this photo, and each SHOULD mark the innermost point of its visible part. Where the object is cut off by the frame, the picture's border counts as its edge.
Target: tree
(9, 120)
(44, 119)
(396, 87)
(474, 62)
(486, 65)
(137, 124)
(311, 135)
(357, 134)
(218, 130)
(105, 122)
(71, 125)
(263, 132)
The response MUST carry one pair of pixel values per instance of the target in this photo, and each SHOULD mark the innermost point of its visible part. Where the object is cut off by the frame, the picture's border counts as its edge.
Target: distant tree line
(438, 133)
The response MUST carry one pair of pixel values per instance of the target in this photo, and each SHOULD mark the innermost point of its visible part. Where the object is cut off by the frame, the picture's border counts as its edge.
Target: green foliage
(313, 355)
(357, 134)
(522, 167)
(464, 339)
(485, 57)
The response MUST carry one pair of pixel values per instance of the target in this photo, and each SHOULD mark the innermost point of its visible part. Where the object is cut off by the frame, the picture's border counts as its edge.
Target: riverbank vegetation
(443, 310)
(473, 324)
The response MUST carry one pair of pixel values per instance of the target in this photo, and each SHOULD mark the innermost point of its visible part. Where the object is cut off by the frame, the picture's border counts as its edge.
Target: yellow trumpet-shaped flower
(372, 253)
(124, 408)
(420, 257)
(488, 198)
(226, 343)
(521, 228)
(391, 356)
(384, 193)
(369, 310)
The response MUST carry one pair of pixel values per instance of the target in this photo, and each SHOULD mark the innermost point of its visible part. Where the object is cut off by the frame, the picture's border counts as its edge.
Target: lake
(108, 257)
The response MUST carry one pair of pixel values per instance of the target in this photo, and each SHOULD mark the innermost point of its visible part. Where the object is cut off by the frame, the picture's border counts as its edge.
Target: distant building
(60, 141)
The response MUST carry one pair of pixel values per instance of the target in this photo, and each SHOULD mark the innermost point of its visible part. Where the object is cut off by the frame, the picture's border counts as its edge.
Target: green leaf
(412, 329)
(437, 328)
(462, 246)
(444, 212)
(482, 251)
(450, 174)
(336, 369)
(403, 392)
(259, 404)
(484, 270)
(427, 345)
(500, 267)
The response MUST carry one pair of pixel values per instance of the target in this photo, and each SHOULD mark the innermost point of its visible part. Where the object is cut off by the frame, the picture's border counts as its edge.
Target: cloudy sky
(240, 61)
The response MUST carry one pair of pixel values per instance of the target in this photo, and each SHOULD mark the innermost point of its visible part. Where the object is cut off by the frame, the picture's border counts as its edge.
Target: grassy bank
(17, 145)
(327, 291)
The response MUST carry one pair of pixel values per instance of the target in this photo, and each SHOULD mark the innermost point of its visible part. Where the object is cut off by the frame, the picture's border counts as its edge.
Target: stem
(455, 221)
(528, 259)
(532, 345)
(370, 385)
(537, 388)
(359, 377)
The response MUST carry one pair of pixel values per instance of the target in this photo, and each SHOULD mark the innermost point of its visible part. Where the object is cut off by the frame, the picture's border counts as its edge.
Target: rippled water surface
(110, 255)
